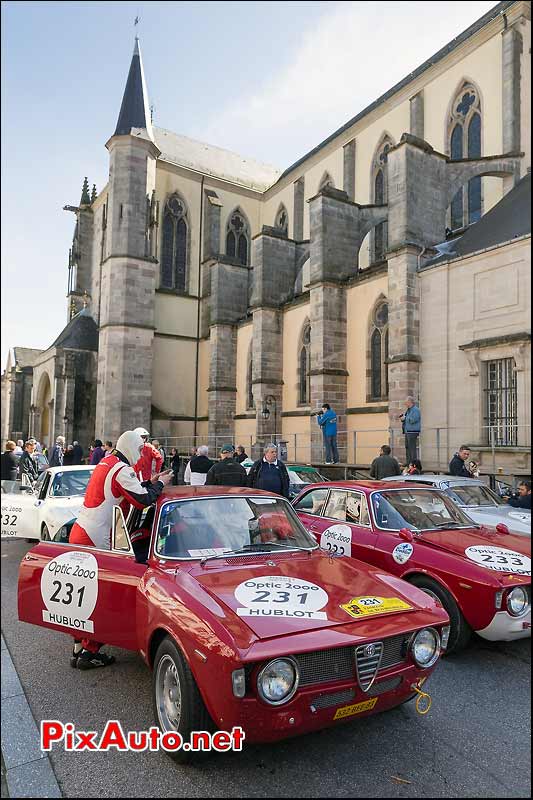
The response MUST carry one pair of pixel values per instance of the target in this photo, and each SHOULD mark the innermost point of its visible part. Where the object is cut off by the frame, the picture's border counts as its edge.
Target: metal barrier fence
(360, 446)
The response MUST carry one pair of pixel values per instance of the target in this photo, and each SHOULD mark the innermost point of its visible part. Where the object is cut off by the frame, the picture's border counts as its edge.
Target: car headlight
(278, 680)
(517, 601)
(425, 647)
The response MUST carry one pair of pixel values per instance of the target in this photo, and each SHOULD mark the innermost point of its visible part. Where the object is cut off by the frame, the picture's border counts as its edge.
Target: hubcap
(168, 694)
(433, 595)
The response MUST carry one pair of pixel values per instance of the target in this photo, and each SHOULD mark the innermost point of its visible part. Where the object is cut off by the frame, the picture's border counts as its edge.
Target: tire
(460, 630)
(45, 533)
(171, 668)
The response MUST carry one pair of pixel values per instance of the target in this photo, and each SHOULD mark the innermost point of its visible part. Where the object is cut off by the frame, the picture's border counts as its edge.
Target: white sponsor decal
(10, 518)
(402, 552)
(498, 559)
(69, 588)
(209, 551)
(337, 539)
(523, 517)
(278, 596)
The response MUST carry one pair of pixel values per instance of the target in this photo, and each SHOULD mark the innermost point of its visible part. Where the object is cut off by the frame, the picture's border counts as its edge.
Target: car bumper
(315, 708)
(505, 628)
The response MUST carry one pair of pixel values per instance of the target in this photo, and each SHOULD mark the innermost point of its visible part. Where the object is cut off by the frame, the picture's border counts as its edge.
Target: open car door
(83, 591)
(21, 518)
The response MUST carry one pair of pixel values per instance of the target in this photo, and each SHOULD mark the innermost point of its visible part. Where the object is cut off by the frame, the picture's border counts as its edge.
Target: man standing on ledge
(411, 426)
(328, 422)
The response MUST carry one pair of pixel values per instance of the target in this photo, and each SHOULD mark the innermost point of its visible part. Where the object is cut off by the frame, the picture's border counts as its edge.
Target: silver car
(480, 503)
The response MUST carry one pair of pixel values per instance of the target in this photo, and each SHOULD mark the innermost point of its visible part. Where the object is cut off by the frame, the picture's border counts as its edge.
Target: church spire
(85, 199)
(135, 110)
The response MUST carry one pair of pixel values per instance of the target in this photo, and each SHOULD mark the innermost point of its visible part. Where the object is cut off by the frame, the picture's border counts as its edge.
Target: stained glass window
(375, 363)
(474, 186)
(465, 142)
(230, 244)
(242, 250)
(174, 246)
(304, 368)
(166, 251)
(237, 238)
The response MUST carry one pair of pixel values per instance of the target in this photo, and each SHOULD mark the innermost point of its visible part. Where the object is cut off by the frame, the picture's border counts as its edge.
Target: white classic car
(40, 511)
(480, 503)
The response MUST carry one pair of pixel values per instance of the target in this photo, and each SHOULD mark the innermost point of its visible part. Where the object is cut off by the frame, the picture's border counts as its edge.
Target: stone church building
(212, 297)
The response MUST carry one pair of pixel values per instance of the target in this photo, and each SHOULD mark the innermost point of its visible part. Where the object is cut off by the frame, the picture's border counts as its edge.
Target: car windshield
(70, 484)
(304, 475)
(417, 509)
(212, 526)
(474, 496)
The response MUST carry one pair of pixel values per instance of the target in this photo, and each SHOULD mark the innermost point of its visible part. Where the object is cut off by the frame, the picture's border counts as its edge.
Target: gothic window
(379, 352)
(249, 385)
(174, 245)
(464, 141)
(304, 366)
(379, 193)
(282, 219)
(237, 238)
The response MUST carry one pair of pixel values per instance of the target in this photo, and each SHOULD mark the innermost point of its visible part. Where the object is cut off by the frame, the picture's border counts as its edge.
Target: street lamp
(265, 411)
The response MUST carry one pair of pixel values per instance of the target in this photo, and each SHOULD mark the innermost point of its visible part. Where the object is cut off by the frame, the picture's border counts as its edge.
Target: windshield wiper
(256, 547)
(446, 525)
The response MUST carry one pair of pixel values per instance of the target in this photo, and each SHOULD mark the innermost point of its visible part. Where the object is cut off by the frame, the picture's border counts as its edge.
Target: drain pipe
(198, 309)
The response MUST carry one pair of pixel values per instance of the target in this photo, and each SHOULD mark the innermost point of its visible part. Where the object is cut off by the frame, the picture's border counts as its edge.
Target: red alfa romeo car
(243, 619)
(482, 576)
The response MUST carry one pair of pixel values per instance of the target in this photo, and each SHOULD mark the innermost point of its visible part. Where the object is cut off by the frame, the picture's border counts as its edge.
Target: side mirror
(406, 534)
(502, 528)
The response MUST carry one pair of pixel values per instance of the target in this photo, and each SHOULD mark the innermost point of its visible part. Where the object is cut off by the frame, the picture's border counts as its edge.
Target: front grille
(384, 686)
(333, 699)
(367, 663)
(338, 664)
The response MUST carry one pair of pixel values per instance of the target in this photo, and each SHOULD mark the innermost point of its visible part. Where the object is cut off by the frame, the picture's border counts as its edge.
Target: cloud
(357, 52)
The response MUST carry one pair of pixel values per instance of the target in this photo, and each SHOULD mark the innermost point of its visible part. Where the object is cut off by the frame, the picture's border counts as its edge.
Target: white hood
(129, 444)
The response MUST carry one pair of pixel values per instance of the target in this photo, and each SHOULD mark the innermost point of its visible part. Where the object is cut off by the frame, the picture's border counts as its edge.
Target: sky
(268, 80)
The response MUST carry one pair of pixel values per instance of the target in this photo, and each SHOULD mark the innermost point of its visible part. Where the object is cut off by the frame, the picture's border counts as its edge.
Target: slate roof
(508, 219)
(135, 110)
(81, 333)
(215, 161)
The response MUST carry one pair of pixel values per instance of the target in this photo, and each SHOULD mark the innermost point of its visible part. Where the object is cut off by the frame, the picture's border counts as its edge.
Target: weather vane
(135, 23)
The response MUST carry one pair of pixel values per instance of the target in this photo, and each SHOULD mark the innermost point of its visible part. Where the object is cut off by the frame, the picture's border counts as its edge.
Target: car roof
(184, 492)
(74, 468)
(455, 480)
(368, 486)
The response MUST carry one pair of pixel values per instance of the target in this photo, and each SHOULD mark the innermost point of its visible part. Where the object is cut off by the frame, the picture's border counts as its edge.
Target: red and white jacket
(112, 483)
(144, 467)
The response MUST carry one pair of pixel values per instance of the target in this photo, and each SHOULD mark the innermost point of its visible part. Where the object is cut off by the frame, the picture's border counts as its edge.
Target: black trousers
(411, 441)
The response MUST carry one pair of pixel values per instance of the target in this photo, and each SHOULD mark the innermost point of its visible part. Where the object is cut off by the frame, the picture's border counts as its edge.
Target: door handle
(30, 558)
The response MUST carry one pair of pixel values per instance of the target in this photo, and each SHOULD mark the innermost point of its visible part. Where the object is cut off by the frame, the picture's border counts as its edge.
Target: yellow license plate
(357, 708)
(365, 606)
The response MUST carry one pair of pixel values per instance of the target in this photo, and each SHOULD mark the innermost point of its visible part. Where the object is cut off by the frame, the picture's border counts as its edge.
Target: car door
(83, 591)
(309, 507)
(21, 511)
(347, 510)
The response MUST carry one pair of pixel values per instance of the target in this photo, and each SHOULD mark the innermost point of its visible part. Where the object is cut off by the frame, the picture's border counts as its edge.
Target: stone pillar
(267, 370)
(348, 174)
(222, 385)
(416, 112)
(511, 75)
(298, 209)
(129, 276)
(212, 209)
(404, 335)
(328, 362)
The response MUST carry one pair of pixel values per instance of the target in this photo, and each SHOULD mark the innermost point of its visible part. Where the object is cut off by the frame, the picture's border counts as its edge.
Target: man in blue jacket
(411, 424)
(328, 422)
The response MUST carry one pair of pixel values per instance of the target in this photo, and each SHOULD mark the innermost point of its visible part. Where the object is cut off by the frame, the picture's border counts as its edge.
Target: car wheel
(45, 533)
(178, 705)
(460, 630)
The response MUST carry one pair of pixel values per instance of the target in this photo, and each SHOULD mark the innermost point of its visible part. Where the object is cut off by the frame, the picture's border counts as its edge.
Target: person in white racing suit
(113, 482)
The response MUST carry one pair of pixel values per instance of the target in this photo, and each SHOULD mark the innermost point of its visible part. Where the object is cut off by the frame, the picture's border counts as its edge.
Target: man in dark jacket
(458, 463)
(226, 472)
(9, 463)
(385, 465)
(77, 456)
(269, 473)
(27, 464)
(56, 459)
(240, 454)
(524, 496)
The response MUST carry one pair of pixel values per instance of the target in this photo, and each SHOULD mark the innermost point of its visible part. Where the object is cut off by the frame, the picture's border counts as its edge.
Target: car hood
(517, 520)
(277, 596)
(469, 543)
